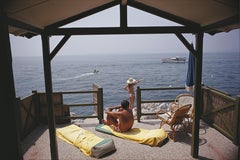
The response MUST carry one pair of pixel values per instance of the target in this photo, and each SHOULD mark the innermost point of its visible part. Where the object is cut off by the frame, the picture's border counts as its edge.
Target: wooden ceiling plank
(83, 15)
(162, 14)
(212, 28)
(24, 26)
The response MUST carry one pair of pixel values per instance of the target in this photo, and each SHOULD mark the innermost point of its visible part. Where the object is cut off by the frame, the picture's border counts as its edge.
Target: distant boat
(95, 71)
(174, 60)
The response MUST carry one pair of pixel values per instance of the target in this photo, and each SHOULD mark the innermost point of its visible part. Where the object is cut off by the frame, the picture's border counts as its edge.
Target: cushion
(102, 148)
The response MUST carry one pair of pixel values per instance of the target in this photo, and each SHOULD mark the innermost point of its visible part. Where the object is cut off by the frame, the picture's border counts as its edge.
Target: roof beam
(186, 43)
(163, 14)
(123, 16)
(84, 14)
(59, 46)
(119, 30)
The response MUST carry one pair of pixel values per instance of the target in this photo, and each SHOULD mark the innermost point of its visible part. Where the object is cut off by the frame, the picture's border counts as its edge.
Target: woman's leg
(132, 99)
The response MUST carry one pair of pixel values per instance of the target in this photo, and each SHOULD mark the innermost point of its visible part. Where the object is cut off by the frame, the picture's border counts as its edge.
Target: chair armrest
(161, 112)
(174, 107)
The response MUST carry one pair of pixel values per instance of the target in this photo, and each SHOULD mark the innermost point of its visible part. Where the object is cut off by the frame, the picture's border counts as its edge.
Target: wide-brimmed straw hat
(131, 80)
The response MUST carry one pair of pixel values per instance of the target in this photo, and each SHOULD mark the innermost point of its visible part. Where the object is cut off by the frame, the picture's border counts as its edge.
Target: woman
(131, 82)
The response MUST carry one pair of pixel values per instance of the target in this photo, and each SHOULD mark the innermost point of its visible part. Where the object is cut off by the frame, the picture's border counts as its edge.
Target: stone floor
(212, 145)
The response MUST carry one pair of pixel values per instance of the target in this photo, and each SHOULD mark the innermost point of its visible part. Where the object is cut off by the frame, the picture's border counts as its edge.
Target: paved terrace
(212, 145)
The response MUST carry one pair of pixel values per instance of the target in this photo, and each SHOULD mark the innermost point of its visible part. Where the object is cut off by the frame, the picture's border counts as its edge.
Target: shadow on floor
(33, 137)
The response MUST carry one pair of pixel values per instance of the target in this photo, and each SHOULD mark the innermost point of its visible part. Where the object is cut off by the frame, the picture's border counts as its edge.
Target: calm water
(74, 73)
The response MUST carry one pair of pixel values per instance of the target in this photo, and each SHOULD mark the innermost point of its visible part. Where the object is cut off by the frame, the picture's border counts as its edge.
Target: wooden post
(37, 105)
(49, 92)
(95, 98)
(197, 95)
(139, 109)
(10, 144)
(100, 104)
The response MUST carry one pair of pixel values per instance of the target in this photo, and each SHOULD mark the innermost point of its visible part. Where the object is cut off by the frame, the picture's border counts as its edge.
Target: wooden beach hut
(46, 18)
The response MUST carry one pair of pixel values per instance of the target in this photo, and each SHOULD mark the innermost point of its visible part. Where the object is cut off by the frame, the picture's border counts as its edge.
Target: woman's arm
(126, 87)
(138, 81)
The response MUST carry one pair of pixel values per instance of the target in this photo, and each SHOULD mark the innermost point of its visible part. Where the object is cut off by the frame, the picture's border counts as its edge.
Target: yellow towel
(150, 137)
(79, 137)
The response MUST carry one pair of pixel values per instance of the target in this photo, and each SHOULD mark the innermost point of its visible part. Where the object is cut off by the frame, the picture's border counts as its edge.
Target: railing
(97, 103)
(222, 111)
(28, 117)
(33, 109)
(140, 101)
(62, 109)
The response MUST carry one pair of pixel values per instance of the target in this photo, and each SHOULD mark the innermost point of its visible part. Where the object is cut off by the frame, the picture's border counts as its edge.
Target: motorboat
(174, 60)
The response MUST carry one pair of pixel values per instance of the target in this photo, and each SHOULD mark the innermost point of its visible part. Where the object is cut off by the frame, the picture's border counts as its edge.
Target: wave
(76, 77)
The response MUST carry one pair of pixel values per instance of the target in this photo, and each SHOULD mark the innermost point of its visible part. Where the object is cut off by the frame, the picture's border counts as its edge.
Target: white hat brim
(131, 82)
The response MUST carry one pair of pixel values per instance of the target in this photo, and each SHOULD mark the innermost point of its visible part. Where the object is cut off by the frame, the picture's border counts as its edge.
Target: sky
(125, 44)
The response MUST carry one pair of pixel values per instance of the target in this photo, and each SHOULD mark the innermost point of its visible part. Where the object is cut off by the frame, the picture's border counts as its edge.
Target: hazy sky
(125, 44)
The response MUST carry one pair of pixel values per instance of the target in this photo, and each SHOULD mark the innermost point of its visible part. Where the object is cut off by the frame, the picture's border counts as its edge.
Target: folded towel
(86, 141)
(153, 137)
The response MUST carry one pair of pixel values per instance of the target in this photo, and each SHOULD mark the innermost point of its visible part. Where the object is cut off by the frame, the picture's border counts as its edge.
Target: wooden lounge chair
(182, 100)
(175, 119)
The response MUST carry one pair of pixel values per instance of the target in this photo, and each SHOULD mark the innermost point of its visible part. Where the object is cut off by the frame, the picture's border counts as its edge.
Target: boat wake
(76, 77)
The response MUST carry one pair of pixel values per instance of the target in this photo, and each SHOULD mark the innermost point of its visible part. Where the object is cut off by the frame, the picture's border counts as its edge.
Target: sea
(76, 73)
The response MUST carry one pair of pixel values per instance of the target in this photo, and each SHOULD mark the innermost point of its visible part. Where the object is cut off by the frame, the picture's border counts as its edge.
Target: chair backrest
(180, 114)
(184, 99)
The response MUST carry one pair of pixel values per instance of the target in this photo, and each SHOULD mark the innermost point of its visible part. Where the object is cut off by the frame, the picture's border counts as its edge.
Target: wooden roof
(32, 17)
